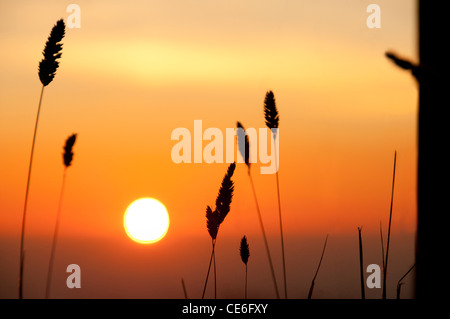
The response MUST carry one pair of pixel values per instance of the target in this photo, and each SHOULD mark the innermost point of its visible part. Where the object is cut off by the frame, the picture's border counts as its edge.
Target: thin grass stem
(361, 264)
(55, 236)
(399, 283)
(317, 270)
(281, 224)
(22, 237)
(184, 289)
(215, 277)
(389, 231)
(382, 246)
(264, 236)
(245, 281)
(209, 268)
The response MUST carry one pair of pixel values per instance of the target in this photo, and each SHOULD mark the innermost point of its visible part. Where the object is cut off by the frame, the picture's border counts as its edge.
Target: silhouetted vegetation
(272, 120)
(47, 71)
(361, 264)
(311, 289)
(245, 151)
(244, 251)
(214, 218)
(389, 231)
(67, 161)
(400, 283)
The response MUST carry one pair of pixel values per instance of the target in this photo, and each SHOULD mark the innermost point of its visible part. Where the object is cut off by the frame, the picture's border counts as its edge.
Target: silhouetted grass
(399, 283)
(244, 251)
(317, 270)
(214, 218)
(67, 160)
(245, 152)
(184, 289)
(361, 264)
(382, 247)
(421, 73)
(272, 120)
(47, 71)
(389, 231)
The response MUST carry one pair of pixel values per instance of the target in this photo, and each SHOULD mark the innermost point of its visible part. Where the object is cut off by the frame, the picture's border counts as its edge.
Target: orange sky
(133, 73)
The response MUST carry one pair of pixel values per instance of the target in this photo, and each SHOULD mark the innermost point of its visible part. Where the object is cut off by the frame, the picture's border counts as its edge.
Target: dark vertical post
(432, 144)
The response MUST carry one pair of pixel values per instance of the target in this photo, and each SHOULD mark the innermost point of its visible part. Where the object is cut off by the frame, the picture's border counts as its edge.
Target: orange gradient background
(134, 72)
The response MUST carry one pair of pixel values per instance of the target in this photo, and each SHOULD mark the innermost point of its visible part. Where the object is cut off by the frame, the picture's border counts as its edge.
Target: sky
(133, 73)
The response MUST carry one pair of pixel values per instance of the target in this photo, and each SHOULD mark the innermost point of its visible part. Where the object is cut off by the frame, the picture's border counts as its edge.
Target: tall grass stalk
(389, 231)
(214, 218)
(67, 160)
(317, 270)
(245, 151)
(244, 251)
(30, 165)
(47, 71)
(361, 264)
(272, 121)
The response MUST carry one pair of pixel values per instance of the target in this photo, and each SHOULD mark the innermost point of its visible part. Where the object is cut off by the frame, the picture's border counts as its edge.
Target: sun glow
(146, 220)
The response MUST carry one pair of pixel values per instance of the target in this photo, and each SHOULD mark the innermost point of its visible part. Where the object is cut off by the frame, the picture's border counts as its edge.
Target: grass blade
(382, 246)
(317, 271)
(30, 165)
(389, 230)
(209, 269)
(184, 289)
(55, 235)
(402, 63)
(361, 264)
(67, 160)
(399, 283)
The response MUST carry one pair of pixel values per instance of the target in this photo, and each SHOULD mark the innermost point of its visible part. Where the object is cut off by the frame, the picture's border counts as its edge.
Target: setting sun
(146, 220)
